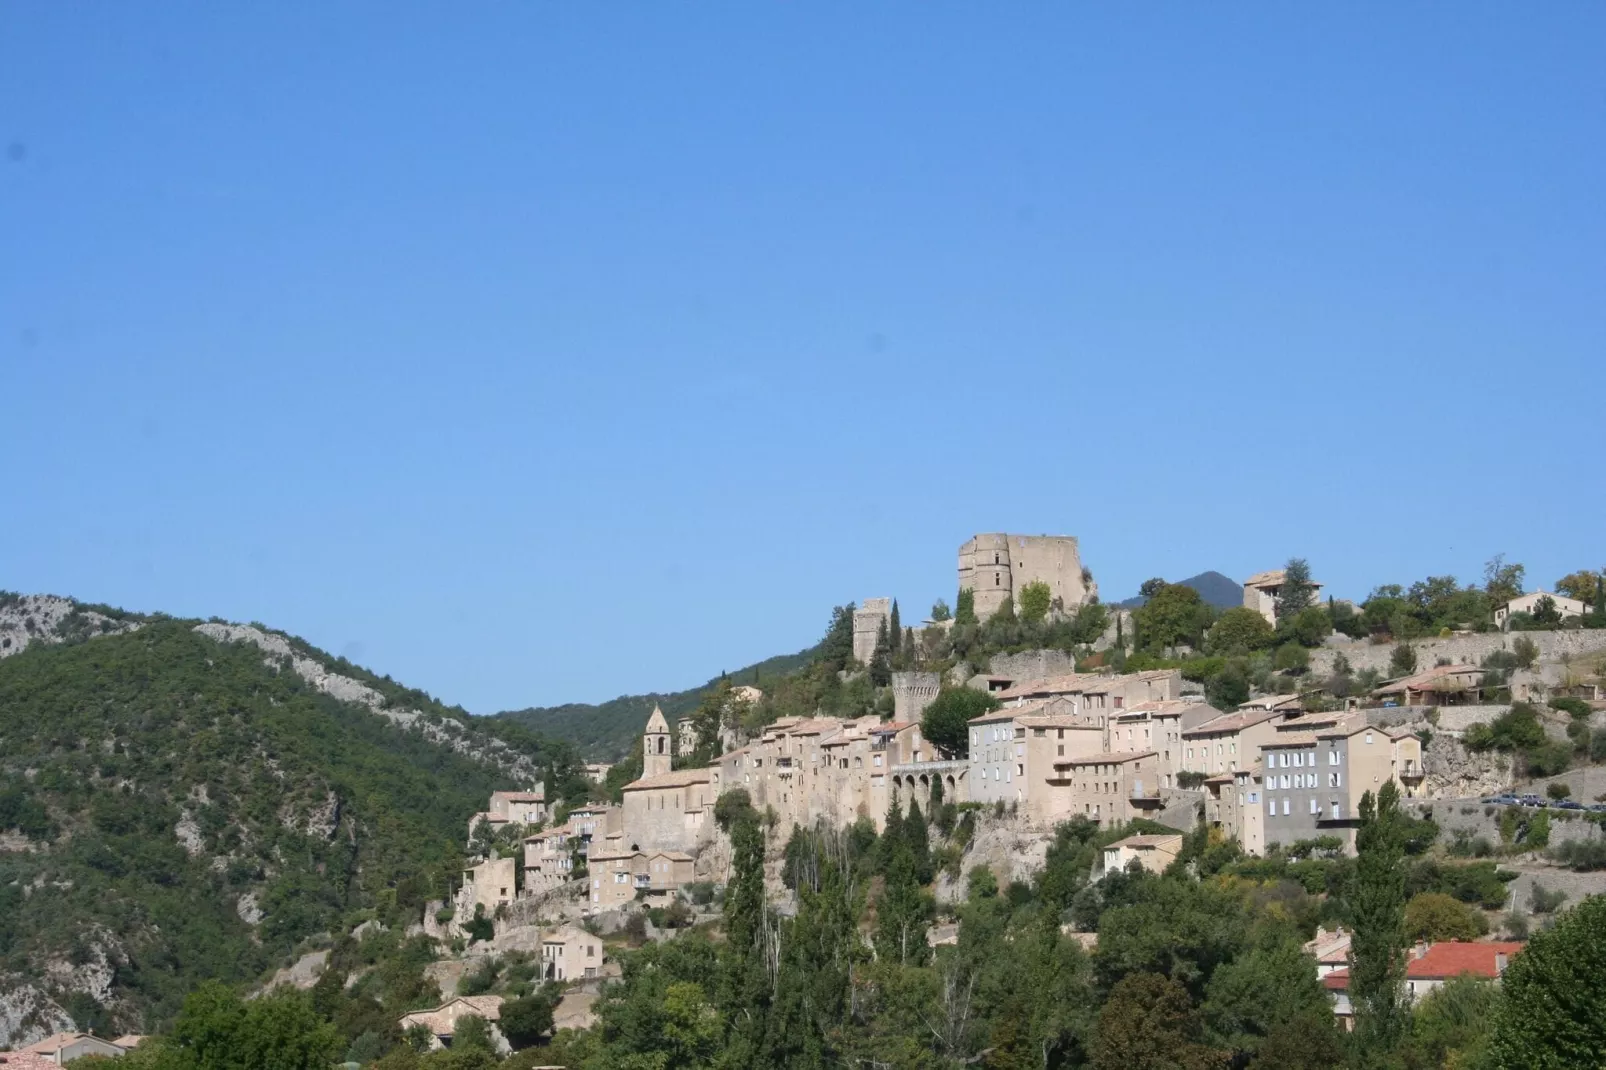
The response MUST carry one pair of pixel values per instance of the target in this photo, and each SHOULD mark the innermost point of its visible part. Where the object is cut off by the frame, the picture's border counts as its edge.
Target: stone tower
(657, 756)
(995, 567)
(867, 621)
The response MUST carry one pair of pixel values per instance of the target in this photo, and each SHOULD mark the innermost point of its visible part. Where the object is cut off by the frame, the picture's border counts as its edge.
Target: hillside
(182, 800)
(605, 731)
(1216, 590)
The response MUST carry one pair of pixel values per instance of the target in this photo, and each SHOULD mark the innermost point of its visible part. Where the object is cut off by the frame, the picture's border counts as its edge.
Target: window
(1332, 757)
(1368, 739)
(1315, 807)
(973, 738)
(1285, 807)
(1062, 750)
(1271, 807)
(1299, 760)
(1254, 796)
(1020, 770)
(1335, 780)
(1335, 809)
(1284, 784)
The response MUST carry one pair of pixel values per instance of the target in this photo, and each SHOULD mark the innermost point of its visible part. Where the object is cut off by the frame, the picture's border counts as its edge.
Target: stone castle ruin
(996, 567)
(867, 621)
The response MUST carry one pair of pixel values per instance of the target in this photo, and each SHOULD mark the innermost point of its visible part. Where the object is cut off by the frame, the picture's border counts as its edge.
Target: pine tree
(745, 990)
(1377, 908)
(910, 656)
(902, 915)
(965, 608)
(1297, 591)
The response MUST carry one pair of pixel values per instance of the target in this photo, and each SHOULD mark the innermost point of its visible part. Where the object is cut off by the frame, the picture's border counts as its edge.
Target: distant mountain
(605, 731)
(1213, 587)
(183, 800)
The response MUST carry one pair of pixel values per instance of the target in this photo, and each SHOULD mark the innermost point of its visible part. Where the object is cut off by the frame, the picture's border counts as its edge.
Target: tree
(1035, 599)
(1525, 651)
(946, 722)
(1174, 616)
(1377, 910)
(1451, 1026)
(1149, 1023)
(1545, 611)
(881, 660)
(1402, 660)
(1292, 658)
(1240, 630)
(1553, 1011)
(1150, 588)
(1229, 688)
(472, 1032)
(1250, 998)
(1297, 592)
(525, 1021)
(836, 649)
(902, 914)
(1502, 582)
(280, 1031)
(940, 610)
(1583, 586)
(965, 607)
(1309, 626)
(1434, 916)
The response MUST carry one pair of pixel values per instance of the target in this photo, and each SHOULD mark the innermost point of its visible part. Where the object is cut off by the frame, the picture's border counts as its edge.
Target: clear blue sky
(538, 352)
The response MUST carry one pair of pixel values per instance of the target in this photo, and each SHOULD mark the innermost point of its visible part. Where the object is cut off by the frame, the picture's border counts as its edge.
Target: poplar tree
(1377, 908)
(881, 660)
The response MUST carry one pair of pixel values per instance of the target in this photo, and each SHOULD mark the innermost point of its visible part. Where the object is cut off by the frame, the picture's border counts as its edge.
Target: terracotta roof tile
(680, 778)
(1451, 958)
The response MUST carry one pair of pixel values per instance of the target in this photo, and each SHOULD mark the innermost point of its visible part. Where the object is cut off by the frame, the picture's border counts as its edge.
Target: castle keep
(996, 567)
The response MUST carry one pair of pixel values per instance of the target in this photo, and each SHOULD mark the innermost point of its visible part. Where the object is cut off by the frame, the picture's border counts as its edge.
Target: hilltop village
(1046, 736)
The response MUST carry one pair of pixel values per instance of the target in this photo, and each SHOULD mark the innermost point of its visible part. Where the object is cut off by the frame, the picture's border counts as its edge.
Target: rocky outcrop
(1453, 772)
(303, 973)
(27, 1014)
(445, 731)
(48, 618)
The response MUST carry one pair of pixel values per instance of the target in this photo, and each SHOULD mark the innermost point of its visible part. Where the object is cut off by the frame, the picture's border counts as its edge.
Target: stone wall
(1470, 816)
(1455, 719)
(1460, 649)
(1454, 772)
(1032, 665)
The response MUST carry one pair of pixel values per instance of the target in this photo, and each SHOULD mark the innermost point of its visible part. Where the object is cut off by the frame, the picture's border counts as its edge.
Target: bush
(1435, 916)
(524, 1021)
(1537, 838)
(1581, 855)
(1558, 789)
(1292, 658)
(1402, 661)
(1516, 729)
(1574, 707)
(1549, 759)
(1191, 779)
(1542, 900)
(1526, 651)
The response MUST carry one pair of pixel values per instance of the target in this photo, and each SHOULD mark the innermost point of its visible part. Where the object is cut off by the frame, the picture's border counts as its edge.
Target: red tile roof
(1451, 958)
(25, 1060)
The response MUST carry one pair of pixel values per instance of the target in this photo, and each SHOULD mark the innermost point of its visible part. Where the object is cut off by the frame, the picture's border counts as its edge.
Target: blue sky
(538, 352)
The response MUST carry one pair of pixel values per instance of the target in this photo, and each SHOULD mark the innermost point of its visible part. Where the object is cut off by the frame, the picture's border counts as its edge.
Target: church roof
(656, 722)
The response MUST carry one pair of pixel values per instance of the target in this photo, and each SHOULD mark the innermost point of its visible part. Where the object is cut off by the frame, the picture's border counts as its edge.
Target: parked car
(1597, 808)
(1531, 800)
(1568, 804)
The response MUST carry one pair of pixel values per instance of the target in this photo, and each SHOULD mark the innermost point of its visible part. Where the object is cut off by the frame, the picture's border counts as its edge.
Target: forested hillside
(175, 808)
(605, 731)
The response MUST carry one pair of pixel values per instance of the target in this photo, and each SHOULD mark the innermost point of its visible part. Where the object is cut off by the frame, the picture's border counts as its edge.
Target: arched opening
(661, 742)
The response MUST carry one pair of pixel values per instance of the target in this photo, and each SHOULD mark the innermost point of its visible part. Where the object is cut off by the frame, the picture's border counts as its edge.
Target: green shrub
(1558, 789)
(1575, 707)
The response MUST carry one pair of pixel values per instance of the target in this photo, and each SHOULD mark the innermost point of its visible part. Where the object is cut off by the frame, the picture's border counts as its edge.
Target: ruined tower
(997, 566)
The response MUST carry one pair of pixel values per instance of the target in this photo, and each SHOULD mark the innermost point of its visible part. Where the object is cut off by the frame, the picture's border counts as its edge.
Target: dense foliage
(193, 812)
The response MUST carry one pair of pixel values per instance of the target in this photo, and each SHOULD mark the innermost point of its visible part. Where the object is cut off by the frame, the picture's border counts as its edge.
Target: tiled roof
(1058, 720)
(1451, 958)
(1292, 739)
(522, 796)
(1271, 702)
(1231, 722)
(1337, 981)
(1162, 706)
(680, 778)
(442, 1021)
(1154, 840)
(675, 856)
(1051, 685)
(1272, 577)
(25, 1060)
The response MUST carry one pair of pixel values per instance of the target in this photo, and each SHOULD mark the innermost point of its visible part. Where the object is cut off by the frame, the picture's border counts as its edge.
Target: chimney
(1420, 949)
(1499, 963)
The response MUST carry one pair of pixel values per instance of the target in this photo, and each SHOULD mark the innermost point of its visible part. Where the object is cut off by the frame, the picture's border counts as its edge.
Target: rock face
(1453, 772)
(304, 973)
(47, 618)
(444, 731)
(27, 1014)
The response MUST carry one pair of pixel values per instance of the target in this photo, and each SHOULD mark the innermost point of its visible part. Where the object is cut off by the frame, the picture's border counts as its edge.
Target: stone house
(513, 807)
(597, 823)
(65, 1047)
(1227, 742)
(1567, 607)
(1232, 806)
(1330, 949)
(1154, 853)
(597, 772)
(1113, 788)
(1317, 768)
(995, 567)
(1262, 590)
(1098, 695)
(549, 859)
(1442, 685)
(673, 811)
(1428, 967)
(1158, 726)
(569, 953)
(441, 1022)
(617, 876)
(489, 884)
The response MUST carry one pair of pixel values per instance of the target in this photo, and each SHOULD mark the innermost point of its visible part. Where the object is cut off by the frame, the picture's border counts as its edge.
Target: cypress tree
(895, 635)
(915, 835)
(881, 660)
